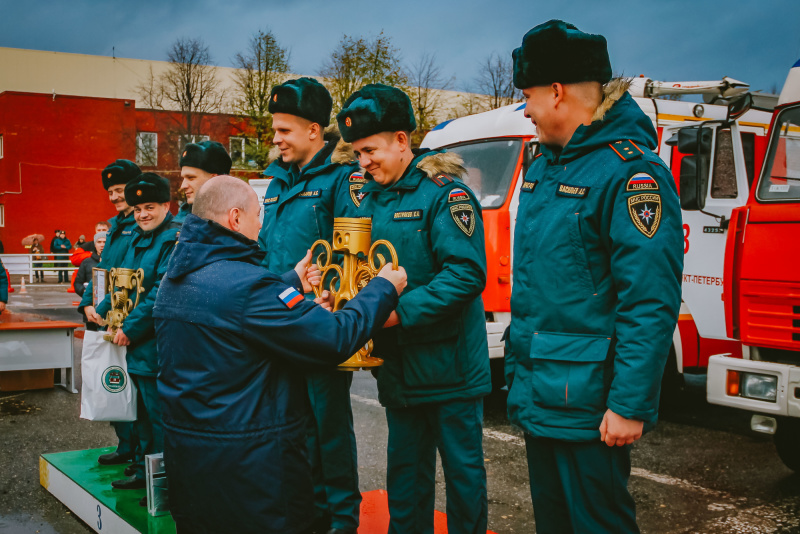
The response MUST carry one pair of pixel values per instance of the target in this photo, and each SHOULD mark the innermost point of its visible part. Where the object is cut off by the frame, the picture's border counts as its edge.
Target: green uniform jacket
(149, 251)
(598, 254)
(3, 284)
(439, 352)
(300, 205)
(184, 210)
(118, 239)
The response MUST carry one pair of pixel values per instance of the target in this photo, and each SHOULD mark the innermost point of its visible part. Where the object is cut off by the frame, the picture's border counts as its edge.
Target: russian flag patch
(457, 195)
(290, 297)
(641, 182)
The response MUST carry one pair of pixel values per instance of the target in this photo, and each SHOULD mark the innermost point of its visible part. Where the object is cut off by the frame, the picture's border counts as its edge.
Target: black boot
(114, 458)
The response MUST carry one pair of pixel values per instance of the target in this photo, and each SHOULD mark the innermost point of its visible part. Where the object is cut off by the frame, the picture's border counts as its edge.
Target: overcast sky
(670, 40)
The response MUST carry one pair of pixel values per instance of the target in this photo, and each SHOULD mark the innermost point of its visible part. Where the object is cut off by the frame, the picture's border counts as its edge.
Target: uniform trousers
(332, 449)
(148, 424)
(455, 428)
(580, 487)
(126, 434)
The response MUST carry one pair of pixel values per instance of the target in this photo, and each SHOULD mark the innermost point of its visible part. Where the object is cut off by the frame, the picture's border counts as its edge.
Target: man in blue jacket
(114, 178)
(598, 254)
(234, 342)
(313, 182)
(199, 163)
(149, 250)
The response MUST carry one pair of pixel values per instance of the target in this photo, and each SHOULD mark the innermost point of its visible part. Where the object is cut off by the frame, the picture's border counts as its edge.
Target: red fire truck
(761, 289)
(497, 147)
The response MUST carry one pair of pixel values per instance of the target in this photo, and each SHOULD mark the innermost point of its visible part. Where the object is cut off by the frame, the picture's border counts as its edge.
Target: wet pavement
(701, 471)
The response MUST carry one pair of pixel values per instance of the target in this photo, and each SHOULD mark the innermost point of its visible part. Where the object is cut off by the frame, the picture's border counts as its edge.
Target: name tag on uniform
(310, 194)
(575, 191)
(270, 200)
(127, 232)
(408, 215)
(528, 187)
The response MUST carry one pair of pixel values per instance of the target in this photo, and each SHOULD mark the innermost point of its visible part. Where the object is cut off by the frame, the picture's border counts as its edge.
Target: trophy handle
(137, 281)
(324, 266)
(372, 255)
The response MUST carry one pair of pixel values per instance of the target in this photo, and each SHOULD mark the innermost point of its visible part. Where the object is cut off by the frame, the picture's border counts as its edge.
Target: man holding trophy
(115, 176)
(149, 251)
(311, 184)
(436, 361)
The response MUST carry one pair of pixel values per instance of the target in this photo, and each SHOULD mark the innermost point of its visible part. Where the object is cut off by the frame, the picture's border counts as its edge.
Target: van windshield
(781, 177)
(490, 168)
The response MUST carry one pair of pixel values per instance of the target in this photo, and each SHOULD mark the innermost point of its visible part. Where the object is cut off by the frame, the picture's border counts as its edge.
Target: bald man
(235, 341)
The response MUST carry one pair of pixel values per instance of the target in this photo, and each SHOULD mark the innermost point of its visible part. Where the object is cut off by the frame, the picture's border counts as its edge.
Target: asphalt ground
(701, 471)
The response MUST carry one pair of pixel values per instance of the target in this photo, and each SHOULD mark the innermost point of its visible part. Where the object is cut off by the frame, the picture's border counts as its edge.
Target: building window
(243, 151)
(147, 149)
(1, 146)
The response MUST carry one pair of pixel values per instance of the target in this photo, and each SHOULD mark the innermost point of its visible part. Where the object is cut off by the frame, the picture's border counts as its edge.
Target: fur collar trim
(612, 92)
(442, 163)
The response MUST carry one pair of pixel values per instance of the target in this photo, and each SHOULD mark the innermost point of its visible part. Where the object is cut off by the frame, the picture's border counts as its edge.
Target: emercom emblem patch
(114, 379)
(356, 195)
(645, 212)
(464, 216)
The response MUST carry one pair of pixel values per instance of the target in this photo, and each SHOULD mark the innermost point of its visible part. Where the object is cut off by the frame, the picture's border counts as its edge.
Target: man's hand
(92, 315)
(325, 300)
(398, 278)
(393, 320)
(121, 339)
(616, 430)
(2, 307)
(310, 275)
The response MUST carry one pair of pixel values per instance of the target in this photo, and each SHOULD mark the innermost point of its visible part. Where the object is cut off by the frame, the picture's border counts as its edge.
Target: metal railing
(47, 264)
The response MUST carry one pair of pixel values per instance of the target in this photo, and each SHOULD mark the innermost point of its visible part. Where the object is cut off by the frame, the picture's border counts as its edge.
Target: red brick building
(53, 147)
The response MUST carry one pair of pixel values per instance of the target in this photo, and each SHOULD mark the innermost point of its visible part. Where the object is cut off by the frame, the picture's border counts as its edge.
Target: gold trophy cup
(352, 237)
(125, 285)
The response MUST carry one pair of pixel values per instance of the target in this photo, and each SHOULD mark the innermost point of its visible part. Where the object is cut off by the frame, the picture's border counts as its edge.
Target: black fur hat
(209, 156)
(121, 171)
(148, 187)
(303, 97)
(373, 109)
(557, 51)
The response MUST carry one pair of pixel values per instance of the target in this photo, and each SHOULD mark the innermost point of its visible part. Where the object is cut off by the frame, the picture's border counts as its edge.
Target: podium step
(84, 486)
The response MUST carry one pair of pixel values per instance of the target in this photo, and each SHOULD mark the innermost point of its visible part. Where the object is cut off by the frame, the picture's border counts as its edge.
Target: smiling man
(120, 233)
(598, 253)
(312, 183)
(199, 162)
(436, 358)
(149, 250)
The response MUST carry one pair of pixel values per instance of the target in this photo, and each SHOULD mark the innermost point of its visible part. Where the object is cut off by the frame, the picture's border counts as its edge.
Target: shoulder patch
(576, 191)
(314, 193)
(407, 215)
(528, 187)
(457, 195)
(641, 181)
(357, 177)
(290, 297)
(271, 200)
(645, 212)
(441, 179)
(627, 150)
(464, 216)
(356, 195)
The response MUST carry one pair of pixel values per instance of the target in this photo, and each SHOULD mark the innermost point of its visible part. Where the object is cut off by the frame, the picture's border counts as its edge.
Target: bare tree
(262, 66)
(425, 85)
(189, 86)
(495, 80)
(356, 62)
(468, 104)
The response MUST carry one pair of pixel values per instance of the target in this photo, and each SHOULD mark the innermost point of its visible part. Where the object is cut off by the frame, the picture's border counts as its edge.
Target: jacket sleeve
(462, 271)
(80, 278)
(290, 278)
(3, 284)
(139, 323)
(307, 334)
(646, 267)
(86, 296)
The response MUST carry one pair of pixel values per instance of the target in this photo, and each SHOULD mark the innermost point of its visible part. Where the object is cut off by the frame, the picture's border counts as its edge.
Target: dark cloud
(668, 40)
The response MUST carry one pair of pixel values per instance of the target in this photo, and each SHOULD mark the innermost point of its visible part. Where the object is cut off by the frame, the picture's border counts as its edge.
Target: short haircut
(220, 194)
(104, 223)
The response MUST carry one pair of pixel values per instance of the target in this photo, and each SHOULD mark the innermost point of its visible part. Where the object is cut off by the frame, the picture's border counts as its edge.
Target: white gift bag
(107, 393)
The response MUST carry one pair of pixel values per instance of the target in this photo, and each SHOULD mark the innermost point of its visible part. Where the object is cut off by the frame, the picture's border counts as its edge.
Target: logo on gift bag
(114, 379)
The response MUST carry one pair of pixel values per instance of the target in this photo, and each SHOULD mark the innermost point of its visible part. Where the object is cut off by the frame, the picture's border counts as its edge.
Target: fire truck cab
(497, 147)
(762, 288)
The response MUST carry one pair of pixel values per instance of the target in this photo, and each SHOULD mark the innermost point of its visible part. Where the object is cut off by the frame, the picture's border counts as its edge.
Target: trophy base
(109, 337)
(358, 362)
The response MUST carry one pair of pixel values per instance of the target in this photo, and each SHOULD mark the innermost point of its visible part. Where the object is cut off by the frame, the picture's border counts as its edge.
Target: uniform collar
(410, 179)
(292, 175)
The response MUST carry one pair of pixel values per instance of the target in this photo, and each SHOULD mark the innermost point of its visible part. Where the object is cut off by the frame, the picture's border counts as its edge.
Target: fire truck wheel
(787, 437)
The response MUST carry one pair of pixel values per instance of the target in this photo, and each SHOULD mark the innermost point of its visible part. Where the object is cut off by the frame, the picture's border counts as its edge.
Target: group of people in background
(235, 361)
